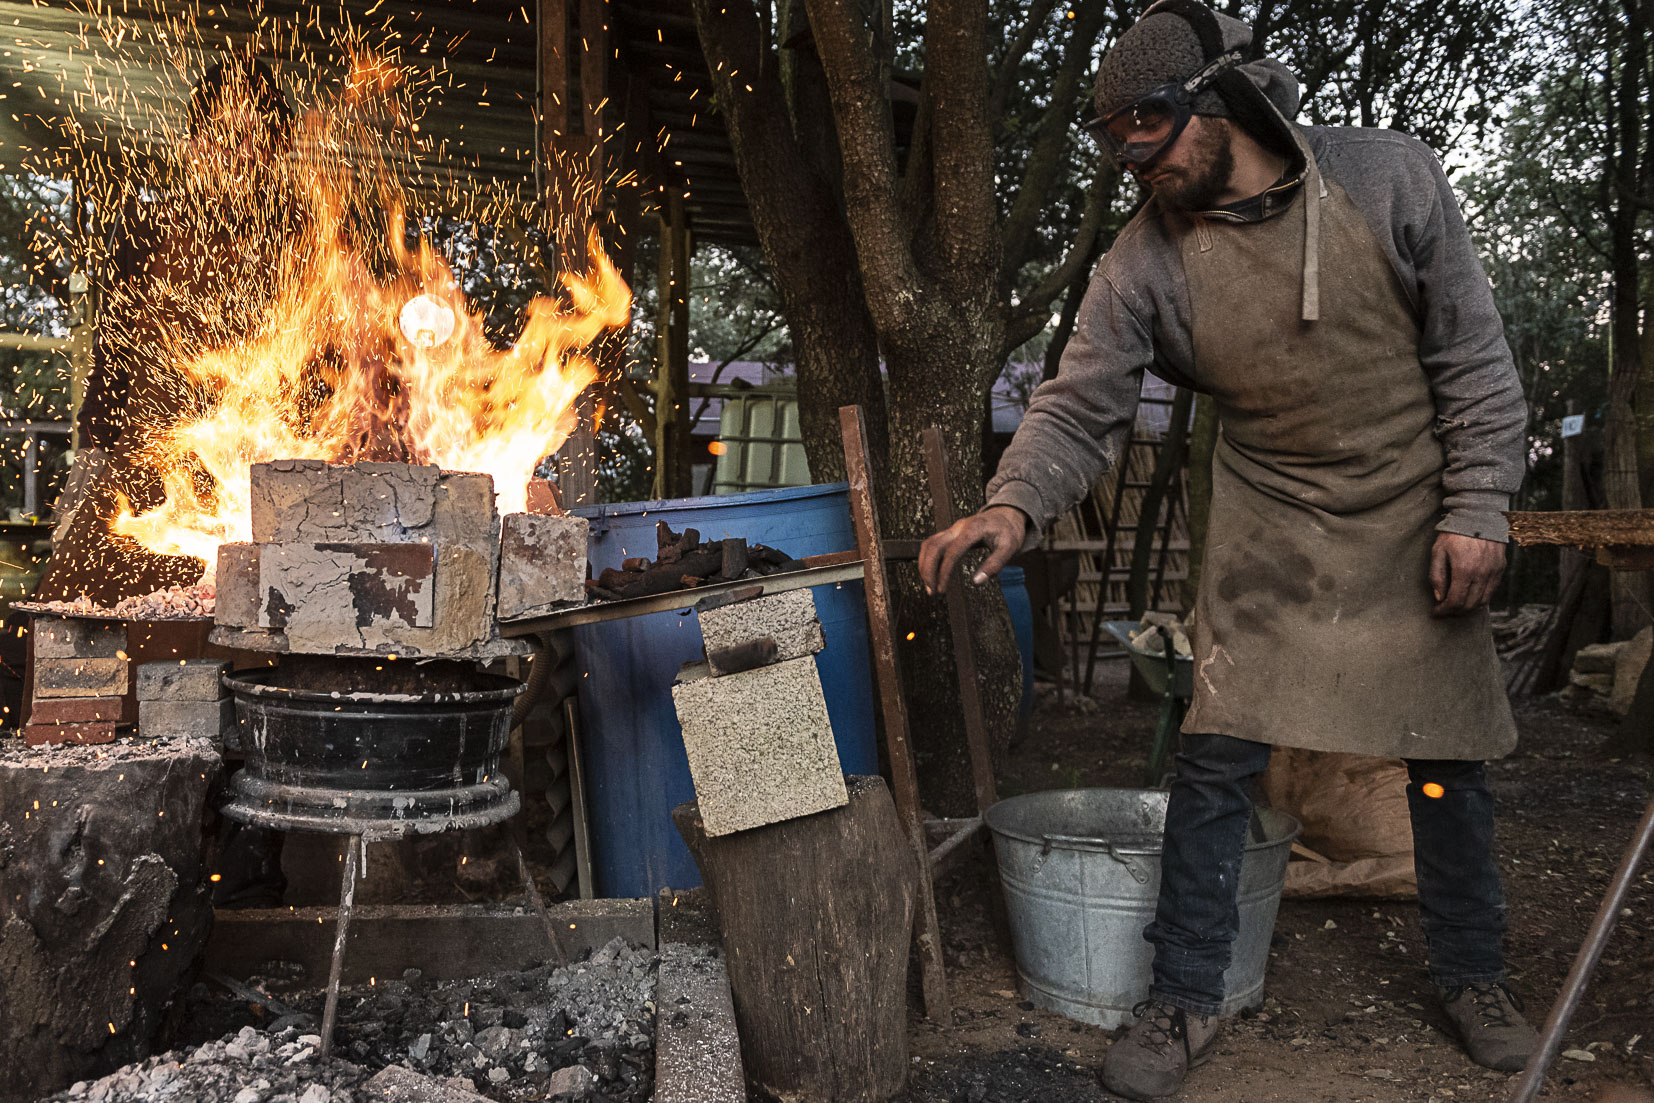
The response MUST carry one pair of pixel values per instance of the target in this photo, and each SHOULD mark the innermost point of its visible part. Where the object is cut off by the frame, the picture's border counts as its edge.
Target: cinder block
(76, 710)
(309, 501)
(186, 719)
(76, 638)
(760, 745)
(236, 576)
(36, 735)
(309, 597)
(789, 618)
(80, 677)
(181, 680)
(542, 563)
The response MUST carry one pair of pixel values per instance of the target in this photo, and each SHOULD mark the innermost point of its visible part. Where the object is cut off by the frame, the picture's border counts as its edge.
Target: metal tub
(1081, 872)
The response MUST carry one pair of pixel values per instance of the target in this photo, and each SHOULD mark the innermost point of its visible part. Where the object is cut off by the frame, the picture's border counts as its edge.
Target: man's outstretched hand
(1464, 572)
(999, 528)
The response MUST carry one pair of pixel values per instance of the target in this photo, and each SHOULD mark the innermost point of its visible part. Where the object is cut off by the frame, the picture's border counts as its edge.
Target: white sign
(1573, 425)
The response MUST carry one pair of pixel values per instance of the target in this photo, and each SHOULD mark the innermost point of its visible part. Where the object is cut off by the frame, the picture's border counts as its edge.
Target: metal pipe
(1585, 963)
(347, 896)
(539, 673)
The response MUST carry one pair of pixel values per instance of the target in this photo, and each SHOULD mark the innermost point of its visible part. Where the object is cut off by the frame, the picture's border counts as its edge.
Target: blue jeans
(1461, 899)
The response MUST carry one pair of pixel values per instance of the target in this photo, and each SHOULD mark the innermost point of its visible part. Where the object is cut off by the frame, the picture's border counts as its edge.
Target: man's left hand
(1464, 572)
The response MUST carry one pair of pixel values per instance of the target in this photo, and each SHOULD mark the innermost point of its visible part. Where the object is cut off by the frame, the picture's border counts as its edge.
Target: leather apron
(1312, 626)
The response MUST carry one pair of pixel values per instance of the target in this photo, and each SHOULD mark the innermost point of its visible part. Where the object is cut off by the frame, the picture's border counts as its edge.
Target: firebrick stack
(185, 699)
(754, 717)
(80, 678)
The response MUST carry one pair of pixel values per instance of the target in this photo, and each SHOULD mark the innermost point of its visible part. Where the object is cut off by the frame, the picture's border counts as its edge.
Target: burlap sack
(1357, 838)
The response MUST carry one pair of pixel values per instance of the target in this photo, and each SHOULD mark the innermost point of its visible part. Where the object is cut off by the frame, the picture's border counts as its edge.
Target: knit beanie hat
(1159, 49)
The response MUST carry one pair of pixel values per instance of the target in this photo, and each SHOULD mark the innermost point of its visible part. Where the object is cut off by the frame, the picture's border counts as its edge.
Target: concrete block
(760, 746)
(186, 719)
(697, 1046)
(75, 638)
(76, 710)
(80, 677)
(309, 501)
(239, 596)
(36, 735)
(181, 680)
(542, 563)
(347, 586)
(789, 618)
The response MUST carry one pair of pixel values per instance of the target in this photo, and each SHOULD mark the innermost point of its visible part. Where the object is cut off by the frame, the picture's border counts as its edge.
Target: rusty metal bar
(354, 845)
(881, 638)
(1585, 963)
(950, 847)
(959, 622)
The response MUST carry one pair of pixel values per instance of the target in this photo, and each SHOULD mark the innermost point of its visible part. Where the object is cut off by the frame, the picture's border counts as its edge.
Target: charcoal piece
(602, 594)
(765, 556)
(669, 554)
(744, 656)
(690, 540)
(702, 562)
(611, 579)
(664, 536)
(735, 558)
(635, 563)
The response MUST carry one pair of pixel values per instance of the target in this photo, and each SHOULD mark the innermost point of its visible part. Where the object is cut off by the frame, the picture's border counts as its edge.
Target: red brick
(75, 710)
(37, 734)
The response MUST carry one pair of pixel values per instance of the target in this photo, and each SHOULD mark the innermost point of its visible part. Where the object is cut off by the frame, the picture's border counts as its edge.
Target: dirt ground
(1350, 1014)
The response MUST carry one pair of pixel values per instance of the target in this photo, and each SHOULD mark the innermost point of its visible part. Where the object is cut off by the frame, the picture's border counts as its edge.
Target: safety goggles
(1143, 130)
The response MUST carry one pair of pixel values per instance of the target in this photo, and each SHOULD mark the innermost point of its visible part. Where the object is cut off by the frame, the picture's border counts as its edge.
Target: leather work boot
(1488, 1020)
(1151, 1060)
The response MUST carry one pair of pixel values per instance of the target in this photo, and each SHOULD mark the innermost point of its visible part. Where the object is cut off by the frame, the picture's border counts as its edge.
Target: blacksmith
(1320, 285)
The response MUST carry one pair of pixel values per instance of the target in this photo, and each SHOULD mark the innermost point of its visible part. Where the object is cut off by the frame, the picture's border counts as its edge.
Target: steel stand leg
(347, 897)
(1596, 940)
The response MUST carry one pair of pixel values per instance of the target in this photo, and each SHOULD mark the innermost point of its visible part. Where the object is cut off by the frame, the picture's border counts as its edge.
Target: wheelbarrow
(1169, 674)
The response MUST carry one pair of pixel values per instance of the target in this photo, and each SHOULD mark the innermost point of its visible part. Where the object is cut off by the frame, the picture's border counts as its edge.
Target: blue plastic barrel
(1013, 585)
(636, 771)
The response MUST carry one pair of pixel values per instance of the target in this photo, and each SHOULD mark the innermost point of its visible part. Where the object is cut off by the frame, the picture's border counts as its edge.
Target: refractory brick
(236, 576)
(760, 745)
(186, 719)
(80, 677)
(76, 638)
(36, 735)
(542, 563)
(76, 710)
(789, 618)
(181, 680)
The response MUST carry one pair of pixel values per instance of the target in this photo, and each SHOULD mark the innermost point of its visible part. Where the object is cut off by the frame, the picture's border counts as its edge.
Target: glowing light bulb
(425, 322)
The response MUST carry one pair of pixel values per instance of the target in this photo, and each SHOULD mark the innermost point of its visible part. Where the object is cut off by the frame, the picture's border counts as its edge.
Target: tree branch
(964, 231)
(1017, 49)
(1033, 312)
(1051, 139)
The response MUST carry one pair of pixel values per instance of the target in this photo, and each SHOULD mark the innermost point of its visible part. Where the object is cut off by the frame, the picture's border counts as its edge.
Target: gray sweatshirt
(1136, 316)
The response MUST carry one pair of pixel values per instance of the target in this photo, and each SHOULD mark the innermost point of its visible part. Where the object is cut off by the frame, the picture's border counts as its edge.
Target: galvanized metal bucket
(1081, 871)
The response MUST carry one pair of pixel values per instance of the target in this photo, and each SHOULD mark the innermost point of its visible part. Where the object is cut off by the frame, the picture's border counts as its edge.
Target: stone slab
(789, 618)
(77, 638)
(39, 735)
(181, 680)
(697, 1047)
(239, 599)
(760, 745)
(309, 501)
(542, 563)
(76, 710)
(446, 942)
(347, 586)
(208, 720)
(80, 677)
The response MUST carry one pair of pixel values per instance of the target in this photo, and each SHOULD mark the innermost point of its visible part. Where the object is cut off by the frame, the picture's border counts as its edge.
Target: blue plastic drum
(635, 768)
(1013, 584)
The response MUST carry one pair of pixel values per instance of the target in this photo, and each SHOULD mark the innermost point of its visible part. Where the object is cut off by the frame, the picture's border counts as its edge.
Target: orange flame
(329, 373)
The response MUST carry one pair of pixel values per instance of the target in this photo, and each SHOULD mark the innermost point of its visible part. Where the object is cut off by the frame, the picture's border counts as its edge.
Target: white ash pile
(582, 1032)
(173, 603)
(248, 1067)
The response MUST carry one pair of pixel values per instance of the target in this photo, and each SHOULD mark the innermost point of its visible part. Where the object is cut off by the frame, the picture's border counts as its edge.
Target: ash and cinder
(582, 1031)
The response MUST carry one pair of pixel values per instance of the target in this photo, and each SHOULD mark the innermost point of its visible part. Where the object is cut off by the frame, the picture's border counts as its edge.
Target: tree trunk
(103, 904)
(817, 916)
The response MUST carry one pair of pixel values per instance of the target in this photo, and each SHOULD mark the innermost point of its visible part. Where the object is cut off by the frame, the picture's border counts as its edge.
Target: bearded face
(1193, 173)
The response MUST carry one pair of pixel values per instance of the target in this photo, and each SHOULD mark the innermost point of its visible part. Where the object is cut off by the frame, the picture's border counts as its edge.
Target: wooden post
(672, 358)
(815, 915)
(887, 676)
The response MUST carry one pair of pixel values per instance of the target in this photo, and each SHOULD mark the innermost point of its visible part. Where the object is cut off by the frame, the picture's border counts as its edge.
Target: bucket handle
(1134, 867)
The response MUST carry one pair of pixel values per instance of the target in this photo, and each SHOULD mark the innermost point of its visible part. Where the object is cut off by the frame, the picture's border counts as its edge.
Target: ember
(683, 562)
(174, 603)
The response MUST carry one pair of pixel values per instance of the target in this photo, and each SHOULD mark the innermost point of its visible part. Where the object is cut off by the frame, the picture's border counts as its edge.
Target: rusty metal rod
(347, 896)
(1585, 963)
